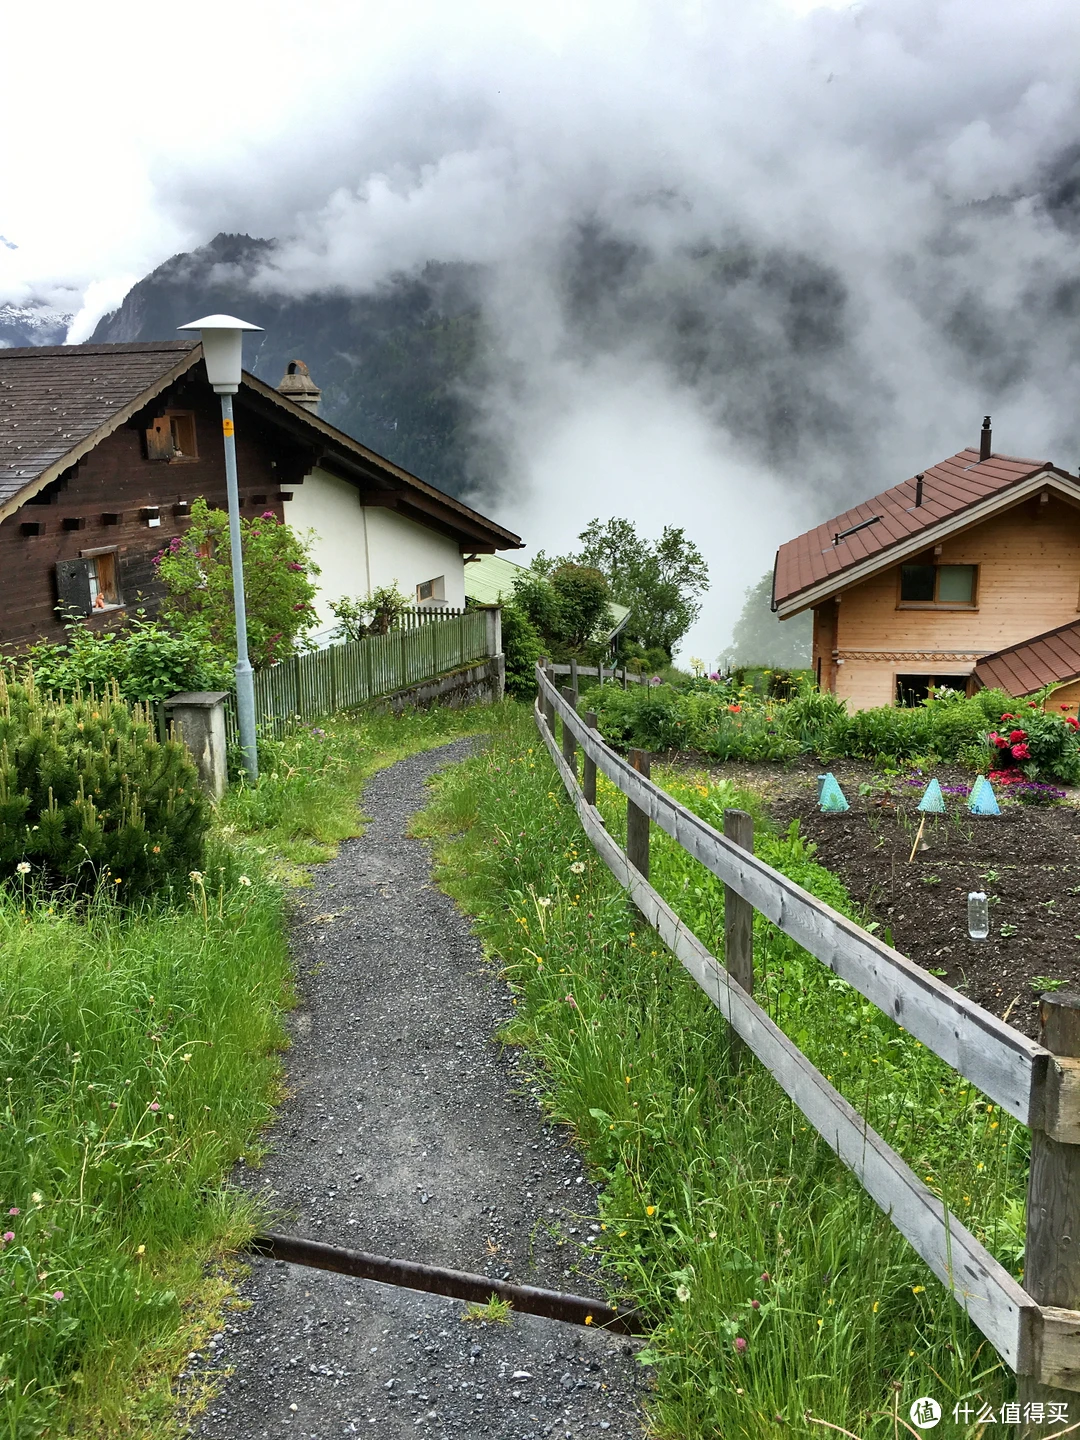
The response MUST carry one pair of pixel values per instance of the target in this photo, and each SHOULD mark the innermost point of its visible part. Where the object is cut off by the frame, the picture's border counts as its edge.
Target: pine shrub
(89, 796)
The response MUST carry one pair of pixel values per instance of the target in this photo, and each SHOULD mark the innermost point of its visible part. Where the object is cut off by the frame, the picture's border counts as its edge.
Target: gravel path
(410, 1133)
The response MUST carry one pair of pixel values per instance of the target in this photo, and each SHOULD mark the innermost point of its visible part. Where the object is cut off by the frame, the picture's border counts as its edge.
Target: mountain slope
(396, 367)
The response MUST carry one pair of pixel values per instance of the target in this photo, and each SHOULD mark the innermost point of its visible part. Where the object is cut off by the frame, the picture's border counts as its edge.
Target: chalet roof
(1047, 659)
(955, 492)
(57, 402)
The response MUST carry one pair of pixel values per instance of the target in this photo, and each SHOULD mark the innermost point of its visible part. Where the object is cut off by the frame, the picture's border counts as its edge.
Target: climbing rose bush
(279, 584)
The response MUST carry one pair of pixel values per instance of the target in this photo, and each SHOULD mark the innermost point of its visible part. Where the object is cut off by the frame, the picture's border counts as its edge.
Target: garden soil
(410, 1132)
(1027, 860)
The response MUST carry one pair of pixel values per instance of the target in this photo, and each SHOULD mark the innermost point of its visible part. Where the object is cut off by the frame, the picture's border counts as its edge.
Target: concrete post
(200, 719)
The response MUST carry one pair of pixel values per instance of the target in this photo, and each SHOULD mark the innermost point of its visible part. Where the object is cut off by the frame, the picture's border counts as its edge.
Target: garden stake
(918, 837)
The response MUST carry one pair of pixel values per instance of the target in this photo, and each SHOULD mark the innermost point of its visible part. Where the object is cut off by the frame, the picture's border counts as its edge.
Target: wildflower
(755, 1304)
(141, 1250)
(712, 1234)
(118, 881)
(153, 1106)
(571, 1001)
(588, 1319)
(650, 1209)
(917, 1289)
(873, 1308)
(195, 875)
(9, 1235)
(740, 1344)
(14, 1210)
(157, 849)
(36, 1197)
(544, 901)
(734, 709)
(683, 1293)
(23, 867)
(765, 1277)
(715, 675)
(577, 868)
(656, 680)
(185, 1058)
(244, 880)
(58, 1294)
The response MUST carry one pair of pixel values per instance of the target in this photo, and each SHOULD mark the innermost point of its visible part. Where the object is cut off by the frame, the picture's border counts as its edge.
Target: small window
(948, 586)
(914, 689)
(172, 437)
(431, 592)
(104, 586)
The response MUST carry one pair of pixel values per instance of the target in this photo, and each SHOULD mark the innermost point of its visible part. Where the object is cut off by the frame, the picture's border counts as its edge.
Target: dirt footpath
(410, 1133)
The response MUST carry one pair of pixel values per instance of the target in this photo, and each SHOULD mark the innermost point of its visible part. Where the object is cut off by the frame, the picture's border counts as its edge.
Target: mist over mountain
(395, 366)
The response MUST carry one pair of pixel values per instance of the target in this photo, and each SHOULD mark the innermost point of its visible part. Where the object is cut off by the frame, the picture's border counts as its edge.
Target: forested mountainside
(396, 366)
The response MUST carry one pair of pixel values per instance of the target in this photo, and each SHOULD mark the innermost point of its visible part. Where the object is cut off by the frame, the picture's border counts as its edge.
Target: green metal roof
(490, 580)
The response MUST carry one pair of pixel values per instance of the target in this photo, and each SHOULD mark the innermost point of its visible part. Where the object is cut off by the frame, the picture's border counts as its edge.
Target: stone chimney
(298, 385)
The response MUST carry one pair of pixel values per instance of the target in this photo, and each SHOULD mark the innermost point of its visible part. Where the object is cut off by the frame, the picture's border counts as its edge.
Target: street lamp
(222, 338)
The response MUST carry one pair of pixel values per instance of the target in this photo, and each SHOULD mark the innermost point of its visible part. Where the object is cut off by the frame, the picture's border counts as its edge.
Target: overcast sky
(905, 164)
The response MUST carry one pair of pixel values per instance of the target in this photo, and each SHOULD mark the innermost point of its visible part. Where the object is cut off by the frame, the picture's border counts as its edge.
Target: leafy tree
(759, 638)
(658, 580)
(278, 584)
(522, 647)
(567, 604)
(372, 614)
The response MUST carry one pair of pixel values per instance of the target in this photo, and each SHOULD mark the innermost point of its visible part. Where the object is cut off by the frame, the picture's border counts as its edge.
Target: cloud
(752, 261)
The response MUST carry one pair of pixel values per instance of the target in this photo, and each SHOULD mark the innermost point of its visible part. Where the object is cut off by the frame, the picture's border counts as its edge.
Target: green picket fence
(319, 683)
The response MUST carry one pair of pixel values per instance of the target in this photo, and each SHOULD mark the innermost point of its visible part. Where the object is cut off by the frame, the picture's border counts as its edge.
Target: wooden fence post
(624, 677)
(588, 765)
(547, 708)
(637, 821)
(1052, 1249)
(574, 686)
(569, 744)
(739, 915)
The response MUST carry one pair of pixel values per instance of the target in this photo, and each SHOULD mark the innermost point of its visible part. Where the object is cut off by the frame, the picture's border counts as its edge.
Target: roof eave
(103, 431)
(914, 544)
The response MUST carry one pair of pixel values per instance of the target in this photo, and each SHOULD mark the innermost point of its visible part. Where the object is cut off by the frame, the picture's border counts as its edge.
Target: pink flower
(571, 1001)
(58, 1294)
(715, 675)
(740, 1344)
(294, 566)
(268, 515)
(755, 1304)
(154, 1105)
(765, 1276)
(14, 1210)
(9, 1235)
(1020, 752)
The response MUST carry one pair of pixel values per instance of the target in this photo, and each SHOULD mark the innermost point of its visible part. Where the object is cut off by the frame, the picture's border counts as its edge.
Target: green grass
(780, 1295)
(140, 1056)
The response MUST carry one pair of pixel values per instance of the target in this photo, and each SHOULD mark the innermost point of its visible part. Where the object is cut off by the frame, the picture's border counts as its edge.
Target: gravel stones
(409, 1132)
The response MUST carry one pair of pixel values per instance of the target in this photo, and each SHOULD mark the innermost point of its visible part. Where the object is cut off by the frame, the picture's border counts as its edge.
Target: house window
(914, 689)
(89, 584)
(172, 437)
(432, 592)
(948, 587)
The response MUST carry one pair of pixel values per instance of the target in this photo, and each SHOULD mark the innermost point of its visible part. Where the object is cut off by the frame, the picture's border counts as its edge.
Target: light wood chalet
(937, 581)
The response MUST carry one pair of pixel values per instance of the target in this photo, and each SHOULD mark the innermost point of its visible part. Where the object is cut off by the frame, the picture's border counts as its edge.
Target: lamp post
(222, 340)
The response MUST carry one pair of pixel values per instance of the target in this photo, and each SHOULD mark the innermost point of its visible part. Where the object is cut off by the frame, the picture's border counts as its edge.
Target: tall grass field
(140, 1056)
(781, 1301)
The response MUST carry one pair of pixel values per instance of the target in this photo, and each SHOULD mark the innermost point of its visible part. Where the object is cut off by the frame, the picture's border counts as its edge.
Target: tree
(279, 587)
(658, 580)
(567, 606)
(759, 638)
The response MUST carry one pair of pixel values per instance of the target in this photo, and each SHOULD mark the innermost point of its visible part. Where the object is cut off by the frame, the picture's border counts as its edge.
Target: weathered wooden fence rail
(1040, 1341)
(605, 674)
(319, 683)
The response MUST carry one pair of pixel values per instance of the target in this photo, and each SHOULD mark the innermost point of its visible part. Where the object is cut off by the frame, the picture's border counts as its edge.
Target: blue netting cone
(982, 800)
(831, 797)
(932, 802)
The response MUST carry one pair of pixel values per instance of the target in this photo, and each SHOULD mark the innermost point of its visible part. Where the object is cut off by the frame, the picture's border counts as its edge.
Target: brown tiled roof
(950, 488)
(56, 399)
(1048, 659)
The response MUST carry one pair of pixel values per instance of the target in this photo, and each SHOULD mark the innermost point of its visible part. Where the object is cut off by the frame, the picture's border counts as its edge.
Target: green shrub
(522, 647)
(87, 790)
(144, 660)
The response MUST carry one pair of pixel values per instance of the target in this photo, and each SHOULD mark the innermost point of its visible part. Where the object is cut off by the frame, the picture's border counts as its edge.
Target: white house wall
(404, 552)
(360, 548)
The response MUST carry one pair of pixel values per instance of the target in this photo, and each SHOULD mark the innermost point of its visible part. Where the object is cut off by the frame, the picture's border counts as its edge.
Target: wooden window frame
(437, 597)
(161, 438)
(972, 604)
(111, 554)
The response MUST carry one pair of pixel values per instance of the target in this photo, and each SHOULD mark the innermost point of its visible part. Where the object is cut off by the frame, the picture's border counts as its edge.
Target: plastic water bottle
(978, 915)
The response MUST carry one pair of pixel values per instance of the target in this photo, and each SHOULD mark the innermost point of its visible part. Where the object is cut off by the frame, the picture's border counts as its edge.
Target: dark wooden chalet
(103, 448)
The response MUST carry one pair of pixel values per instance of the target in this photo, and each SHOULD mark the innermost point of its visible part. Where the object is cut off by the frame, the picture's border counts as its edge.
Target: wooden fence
(1035, 1329)
(318, 683)
(603, 673)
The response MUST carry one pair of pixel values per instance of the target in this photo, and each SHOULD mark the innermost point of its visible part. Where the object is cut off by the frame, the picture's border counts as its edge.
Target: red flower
(998, 740)
(1063, 707)
(1033, 704)
(1072, 720)
(1020, 752)
(1008, 717)
(1017, 735)
(734, 709)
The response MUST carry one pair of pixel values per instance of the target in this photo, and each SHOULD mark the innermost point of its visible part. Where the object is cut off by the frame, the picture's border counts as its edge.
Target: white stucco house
(372, 523)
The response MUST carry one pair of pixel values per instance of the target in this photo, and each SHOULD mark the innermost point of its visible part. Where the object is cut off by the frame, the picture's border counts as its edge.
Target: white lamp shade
(222, 340)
